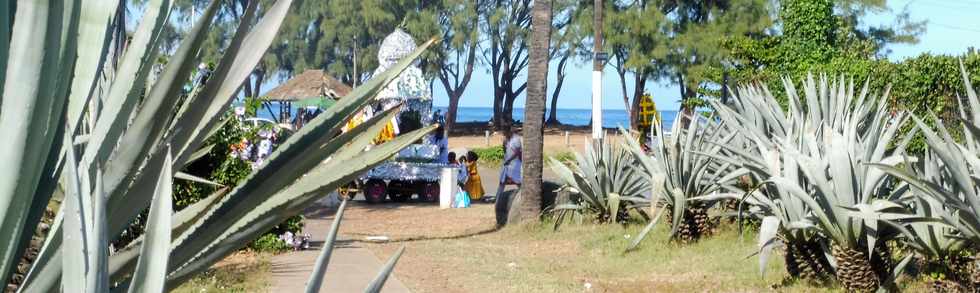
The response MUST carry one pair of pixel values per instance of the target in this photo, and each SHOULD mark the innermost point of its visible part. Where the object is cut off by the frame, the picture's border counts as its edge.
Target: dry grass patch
(243, 271)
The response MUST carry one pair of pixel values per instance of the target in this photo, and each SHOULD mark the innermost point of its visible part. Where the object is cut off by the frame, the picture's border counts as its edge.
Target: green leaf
(149, 124)
(94, 36)
(320, 268)
(767, 239)
(198, 110)
(192, 178)
(151, 269)
(98, 241)
(75, 263)
(293, 200)
(613, 199)
(299, 150)
(30, 121)
(127, 87)
(379, 281)
(5, 26)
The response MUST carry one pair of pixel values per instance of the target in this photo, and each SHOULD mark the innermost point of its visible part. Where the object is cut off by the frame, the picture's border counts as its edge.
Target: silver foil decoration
(418, 153)
(410, 88)
(407, 171)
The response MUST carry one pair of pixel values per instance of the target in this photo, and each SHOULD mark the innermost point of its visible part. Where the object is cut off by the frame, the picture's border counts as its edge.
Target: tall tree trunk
(247, 87)
(530, 202)
(639, 87)
(686, 93)
(553, 111)
(621, 72)
(451, 111)
(455, 91)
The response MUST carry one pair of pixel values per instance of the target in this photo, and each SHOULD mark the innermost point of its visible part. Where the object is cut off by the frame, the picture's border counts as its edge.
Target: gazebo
(311, 88)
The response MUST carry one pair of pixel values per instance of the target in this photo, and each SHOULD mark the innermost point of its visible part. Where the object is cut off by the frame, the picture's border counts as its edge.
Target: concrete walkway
(351, 267)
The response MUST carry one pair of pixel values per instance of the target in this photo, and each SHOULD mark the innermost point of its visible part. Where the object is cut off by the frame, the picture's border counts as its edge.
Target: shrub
(269, 243)
(490, 155)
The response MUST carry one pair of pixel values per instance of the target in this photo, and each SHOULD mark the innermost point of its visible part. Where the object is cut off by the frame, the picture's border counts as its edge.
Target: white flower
(588, 285)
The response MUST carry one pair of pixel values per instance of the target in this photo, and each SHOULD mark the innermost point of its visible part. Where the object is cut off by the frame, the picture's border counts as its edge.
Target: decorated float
(416, 170)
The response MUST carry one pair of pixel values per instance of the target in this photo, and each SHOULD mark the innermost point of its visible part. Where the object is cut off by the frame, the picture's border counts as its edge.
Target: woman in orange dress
(474, 186)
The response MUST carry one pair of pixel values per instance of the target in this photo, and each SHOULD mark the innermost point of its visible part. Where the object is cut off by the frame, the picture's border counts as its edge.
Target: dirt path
(355, 261)
(351, 268)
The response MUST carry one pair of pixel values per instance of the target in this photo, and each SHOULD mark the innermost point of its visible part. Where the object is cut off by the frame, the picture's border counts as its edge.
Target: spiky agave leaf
(282, 193)
(33, 100)
(599, 181)
(687, 167)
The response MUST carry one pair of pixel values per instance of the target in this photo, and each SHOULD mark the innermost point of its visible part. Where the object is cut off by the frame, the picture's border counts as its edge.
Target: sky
(952, 27)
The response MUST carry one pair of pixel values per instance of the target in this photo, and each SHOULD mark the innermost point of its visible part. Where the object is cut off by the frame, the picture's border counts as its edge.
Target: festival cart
(416, 169)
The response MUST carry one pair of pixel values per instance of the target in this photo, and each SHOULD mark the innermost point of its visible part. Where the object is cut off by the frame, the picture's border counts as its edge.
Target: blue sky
(953, 26)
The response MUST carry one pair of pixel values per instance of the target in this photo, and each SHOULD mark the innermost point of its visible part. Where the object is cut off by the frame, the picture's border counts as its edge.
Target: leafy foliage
(490, 155)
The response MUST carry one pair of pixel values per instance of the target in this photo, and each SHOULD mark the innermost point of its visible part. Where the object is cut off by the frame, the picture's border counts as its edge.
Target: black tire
(399, 197)
(375, 191)
(429, 192)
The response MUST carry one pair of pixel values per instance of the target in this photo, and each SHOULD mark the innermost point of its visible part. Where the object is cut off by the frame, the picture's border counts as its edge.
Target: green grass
(490, 156)
(533, 258)
(494, 156)
(566, 157)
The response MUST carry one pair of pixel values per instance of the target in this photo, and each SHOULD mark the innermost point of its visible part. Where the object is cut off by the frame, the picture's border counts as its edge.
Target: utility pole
(598, 58)
(356, 77)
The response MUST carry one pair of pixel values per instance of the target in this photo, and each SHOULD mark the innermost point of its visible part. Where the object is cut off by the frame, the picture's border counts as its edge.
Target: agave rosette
(683, 169)
(118, 158)
(602, 183)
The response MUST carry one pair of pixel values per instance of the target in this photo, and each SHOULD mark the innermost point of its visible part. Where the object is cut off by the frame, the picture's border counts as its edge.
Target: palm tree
(537, 89)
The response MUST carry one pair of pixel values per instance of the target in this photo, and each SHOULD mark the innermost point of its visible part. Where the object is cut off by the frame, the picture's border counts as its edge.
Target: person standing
(474, 186)
(510, 173)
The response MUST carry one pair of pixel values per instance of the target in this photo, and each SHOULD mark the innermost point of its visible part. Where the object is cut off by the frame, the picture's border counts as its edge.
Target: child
(474, 186)
(461, 171)
(460, 199)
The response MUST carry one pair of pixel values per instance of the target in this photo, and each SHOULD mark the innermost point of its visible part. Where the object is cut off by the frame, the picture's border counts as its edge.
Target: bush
(564, 157)
(269, 243)
(490, 155)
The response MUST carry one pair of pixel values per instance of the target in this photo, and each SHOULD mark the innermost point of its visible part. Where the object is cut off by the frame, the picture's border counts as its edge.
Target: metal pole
(355, 63)
(486, 137)
(568, 141)
(597, 74)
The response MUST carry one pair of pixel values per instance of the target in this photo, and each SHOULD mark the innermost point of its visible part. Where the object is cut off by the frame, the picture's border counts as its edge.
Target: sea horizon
(567, 116)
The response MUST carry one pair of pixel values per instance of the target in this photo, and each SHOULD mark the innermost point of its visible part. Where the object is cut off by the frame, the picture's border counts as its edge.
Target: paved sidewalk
(351, 267)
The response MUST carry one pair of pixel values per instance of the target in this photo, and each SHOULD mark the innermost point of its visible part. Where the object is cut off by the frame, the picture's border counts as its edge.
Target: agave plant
(602, 184)
(684, 167)
(793, 149)
(945, 187)
(137, 138)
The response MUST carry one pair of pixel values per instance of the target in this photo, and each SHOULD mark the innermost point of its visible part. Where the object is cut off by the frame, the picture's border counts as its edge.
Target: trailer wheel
(429, 192)
(375, 191)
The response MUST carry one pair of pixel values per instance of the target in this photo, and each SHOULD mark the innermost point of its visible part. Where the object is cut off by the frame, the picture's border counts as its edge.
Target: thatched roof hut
(310, 83)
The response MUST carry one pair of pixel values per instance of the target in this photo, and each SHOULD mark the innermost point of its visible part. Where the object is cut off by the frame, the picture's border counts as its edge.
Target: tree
(817, 36)
(223, 28)
(459, 21)
(697, 31)
(342, 37)
(637, 34)
(566, 42)
(506, 24)
(537, 80)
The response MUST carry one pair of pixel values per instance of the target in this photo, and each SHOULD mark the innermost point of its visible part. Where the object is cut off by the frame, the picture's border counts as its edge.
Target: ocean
(578, 117)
